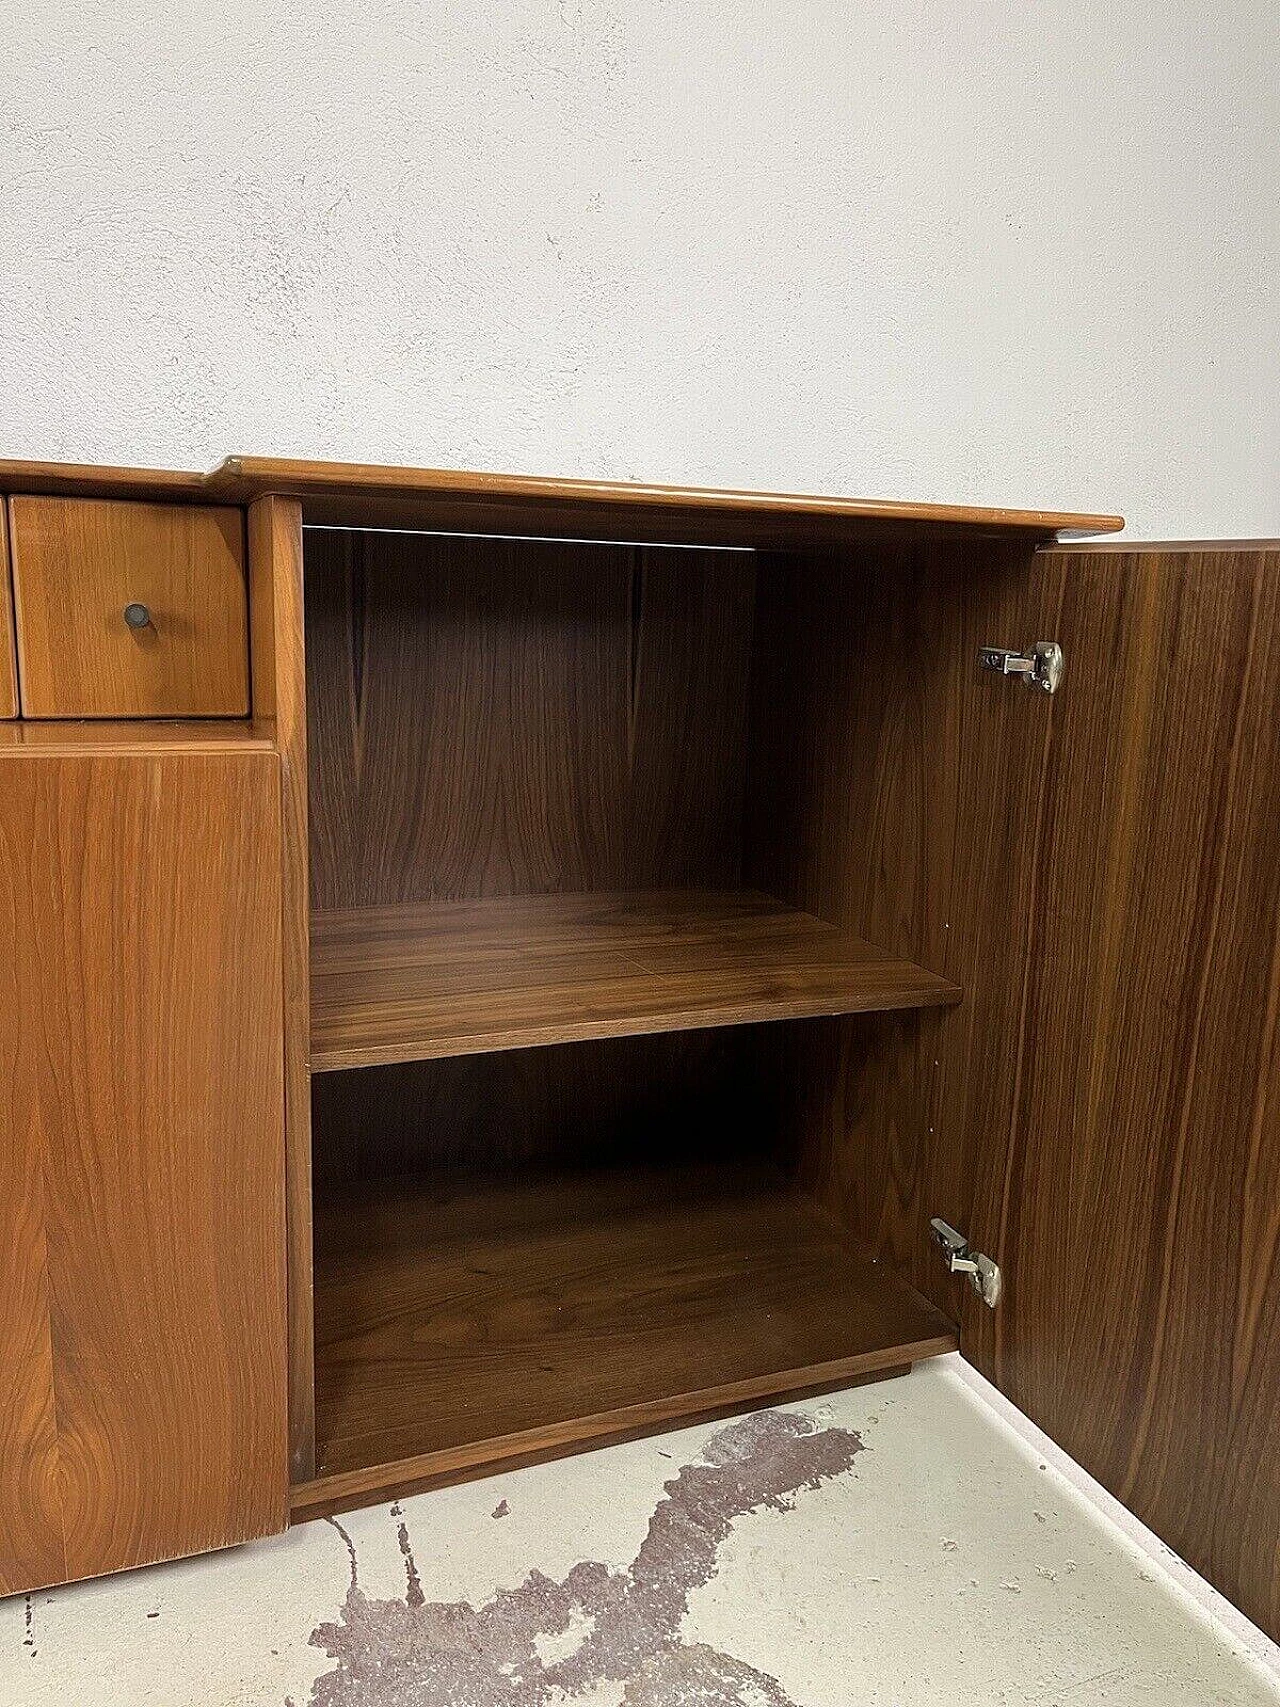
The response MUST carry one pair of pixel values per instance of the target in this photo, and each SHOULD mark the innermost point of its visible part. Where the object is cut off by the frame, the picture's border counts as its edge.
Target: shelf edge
(337, 1059)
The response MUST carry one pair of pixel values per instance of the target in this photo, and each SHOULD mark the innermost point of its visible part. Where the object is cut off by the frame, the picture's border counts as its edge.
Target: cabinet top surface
(369, 493)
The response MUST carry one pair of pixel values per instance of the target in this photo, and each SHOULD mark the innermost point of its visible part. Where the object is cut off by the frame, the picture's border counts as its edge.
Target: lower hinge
(984, 1275)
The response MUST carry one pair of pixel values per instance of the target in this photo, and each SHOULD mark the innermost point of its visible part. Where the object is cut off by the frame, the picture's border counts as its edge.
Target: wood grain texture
(37, 740)
(31, 1531)
(141, 1068)
(1145, 1123)
(475, 1320)
(8, 654)
(88, 480)
(728, 528)
(854, 794)
(654, 1100)
(1099, 872)
(329, 1495)
(408, 983)
(77, 562)
(896, 787)
(1167, 547)
(496, 717)
(280, 695)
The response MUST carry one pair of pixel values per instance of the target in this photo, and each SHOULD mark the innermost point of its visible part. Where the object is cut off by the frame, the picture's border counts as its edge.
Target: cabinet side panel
(874, 748)
(8, 651)
(280, 694)
(146, 917)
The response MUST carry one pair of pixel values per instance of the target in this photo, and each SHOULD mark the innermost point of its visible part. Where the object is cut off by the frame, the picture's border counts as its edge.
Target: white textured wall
(1004, 253)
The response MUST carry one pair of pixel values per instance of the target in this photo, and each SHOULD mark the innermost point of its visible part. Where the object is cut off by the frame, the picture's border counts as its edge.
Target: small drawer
(129, 610)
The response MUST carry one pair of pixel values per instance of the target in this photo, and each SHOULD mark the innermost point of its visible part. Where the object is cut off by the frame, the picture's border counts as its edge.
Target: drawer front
(129, 610)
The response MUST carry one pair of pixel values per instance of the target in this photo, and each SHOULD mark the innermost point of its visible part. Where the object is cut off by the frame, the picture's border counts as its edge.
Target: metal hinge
(1039, 668)
(984, 1275)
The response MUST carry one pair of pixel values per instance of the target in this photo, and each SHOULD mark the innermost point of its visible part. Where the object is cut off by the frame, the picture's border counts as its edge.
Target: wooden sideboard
(495, 965)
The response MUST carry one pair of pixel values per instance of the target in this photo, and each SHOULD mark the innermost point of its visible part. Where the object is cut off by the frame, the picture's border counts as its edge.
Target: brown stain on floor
(604, 1626)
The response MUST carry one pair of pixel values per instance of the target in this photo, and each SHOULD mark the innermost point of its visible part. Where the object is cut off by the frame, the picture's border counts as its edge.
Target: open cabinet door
(1099, 871)
(1107, 1111)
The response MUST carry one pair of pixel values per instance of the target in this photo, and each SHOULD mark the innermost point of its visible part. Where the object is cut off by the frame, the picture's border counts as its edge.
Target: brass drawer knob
(137, 616)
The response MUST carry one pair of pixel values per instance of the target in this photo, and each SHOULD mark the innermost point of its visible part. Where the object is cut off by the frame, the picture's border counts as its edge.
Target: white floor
(900, 1545)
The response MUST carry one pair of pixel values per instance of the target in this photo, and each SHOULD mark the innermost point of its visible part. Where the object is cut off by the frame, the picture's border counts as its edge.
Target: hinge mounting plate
(1040, 667)
(984, 1275)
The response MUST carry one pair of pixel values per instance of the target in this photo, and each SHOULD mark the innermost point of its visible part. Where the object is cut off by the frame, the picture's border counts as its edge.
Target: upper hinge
(984, 1275)
(1040, 668)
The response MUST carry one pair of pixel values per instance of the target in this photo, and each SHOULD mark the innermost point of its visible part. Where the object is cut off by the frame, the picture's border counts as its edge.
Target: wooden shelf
(467, 1327)
(412, 982)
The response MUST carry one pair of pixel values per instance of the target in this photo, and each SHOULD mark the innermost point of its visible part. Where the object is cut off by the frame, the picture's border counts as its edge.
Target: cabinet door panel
(1129, 1151)
(31, 1549)
(1100, 872)
(141, 1055)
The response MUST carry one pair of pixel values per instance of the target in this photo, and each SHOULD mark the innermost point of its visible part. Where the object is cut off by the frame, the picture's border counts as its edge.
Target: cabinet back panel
(678, 1097)
(504, 717)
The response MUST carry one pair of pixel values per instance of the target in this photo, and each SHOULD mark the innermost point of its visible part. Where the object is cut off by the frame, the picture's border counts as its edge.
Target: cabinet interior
(582, 817)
